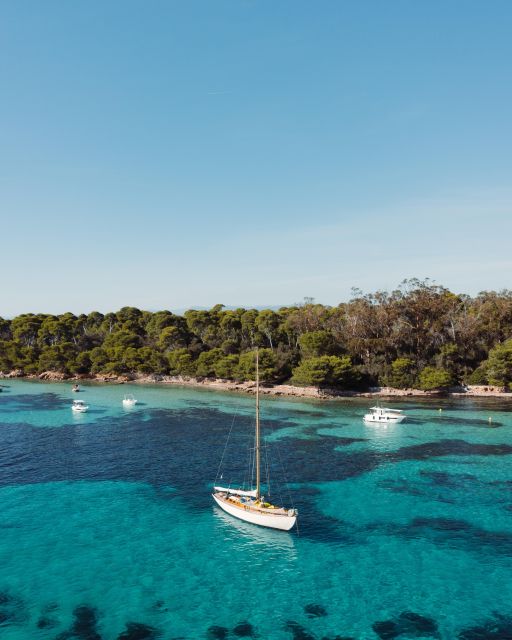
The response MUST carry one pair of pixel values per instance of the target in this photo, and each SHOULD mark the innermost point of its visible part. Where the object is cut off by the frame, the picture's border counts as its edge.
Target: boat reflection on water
(386, 437)
(248, 534)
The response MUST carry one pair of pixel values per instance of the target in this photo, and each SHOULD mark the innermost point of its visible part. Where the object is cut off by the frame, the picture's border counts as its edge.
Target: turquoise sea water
(108, 530)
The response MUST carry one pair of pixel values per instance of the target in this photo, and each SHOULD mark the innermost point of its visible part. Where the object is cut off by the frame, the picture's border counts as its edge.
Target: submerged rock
(315, 611)
(244, 630)
(409, 624)
(46, 623)
(12, 609)
(386, 630)
(497, 628)
(84, 625)
(216, 632)
(139, 631)
(298, 631)
(4, 618)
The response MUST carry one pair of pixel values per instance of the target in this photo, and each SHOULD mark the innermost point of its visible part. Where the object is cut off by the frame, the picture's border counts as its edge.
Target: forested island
(419, 336)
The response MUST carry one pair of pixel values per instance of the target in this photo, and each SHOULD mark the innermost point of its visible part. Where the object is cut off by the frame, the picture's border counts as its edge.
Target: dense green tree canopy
(402, 374)
(331, 371)
(431, 378)
(499, 364)
(421, 334)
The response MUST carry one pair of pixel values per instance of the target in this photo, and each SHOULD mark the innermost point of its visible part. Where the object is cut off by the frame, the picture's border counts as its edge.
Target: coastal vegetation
(420, 335)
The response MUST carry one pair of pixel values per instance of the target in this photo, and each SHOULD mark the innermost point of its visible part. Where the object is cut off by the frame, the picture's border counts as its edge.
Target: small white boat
(75, 388)
(384, 415)
(79, 406)
(250, 505)
(129, 401)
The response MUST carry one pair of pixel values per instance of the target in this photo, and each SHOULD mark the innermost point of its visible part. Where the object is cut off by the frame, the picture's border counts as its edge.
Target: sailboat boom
(237, 492)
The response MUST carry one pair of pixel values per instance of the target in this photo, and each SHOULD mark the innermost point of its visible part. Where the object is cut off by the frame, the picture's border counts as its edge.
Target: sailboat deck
(256, 507)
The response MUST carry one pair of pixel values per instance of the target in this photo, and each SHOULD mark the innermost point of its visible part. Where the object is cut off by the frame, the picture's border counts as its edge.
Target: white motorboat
(79, 406)
(129, 401)
(384, 415)
(250, 505)
(75, 388)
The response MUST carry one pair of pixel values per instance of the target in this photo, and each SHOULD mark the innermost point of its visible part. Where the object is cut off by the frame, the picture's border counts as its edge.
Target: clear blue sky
(176, 154)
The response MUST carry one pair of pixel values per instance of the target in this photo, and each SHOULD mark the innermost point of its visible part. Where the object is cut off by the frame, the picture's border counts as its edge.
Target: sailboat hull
(281, 521)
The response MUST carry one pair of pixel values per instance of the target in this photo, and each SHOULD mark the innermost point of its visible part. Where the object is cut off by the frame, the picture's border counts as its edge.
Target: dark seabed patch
(407, 624)
(45, 622)
(139, 631)
(456, 421)
(436, 486)
(439, 448)
(344, 442)
(301, 633)
(84, 625)
(315, 610)
(319, 527)
(324, 466)
(244, 630)
(216, 632)
(497, 628)
(449, 480)
(12, 609)
(159, 606)
(48, 618)
(504, 484)
(313, 432)
(33, 402)
(457, 534)
(152, 451)
(401, 486)
(298, 631)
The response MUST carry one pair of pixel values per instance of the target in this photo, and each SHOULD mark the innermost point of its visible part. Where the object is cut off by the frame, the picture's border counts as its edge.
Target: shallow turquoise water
(111, 510)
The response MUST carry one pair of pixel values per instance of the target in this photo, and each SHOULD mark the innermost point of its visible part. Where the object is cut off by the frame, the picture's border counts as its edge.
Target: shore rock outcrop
(52, 375)
(286, 390)
(16, 373)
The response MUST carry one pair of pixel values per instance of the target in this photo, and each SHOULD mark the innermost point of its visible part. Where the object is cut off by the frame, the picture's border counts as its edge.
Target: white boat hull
(383, 420)
(284, 521)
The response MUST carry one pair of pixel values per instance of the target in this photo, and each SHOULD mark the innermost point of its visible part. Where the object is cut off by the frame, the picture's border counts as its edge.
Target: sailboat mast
(258, 492)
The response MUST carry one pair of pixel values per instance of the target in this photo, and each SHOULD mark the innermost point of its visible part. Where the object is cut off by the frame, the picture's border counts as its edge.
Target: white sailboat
(251, 505)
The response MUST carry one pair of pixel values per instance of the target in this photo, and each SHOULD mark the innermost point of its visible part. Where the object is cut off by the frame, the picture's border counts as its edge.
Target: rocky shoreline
(286, 390)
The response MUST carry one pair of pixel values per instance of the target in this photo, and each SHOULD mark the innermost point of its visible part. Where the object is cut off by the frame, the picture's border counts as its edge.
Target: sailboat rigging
(251, 505)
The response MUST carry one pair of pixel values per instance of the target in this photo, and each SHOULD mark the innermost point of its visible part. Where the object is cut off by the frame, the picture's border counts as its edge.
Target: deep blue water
(108, 530)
